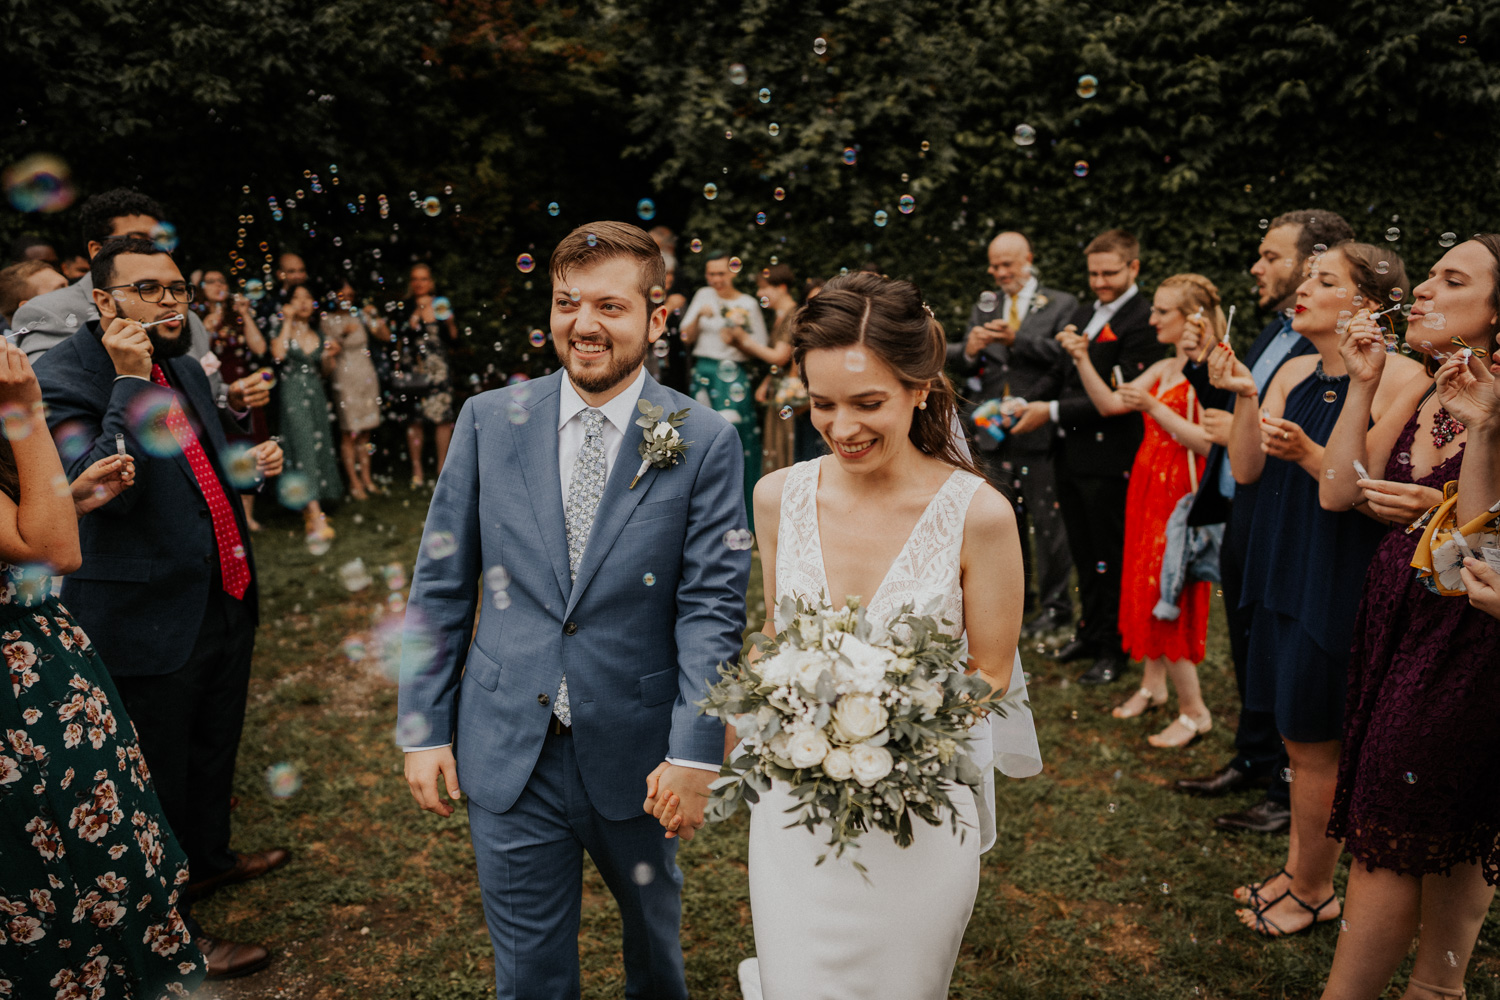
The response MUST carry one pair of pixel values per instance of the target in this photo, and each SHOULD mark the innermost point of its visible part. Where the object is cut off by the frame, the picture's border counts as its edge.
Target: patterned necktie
(234, 567)
(585, 490)
(1013, 315)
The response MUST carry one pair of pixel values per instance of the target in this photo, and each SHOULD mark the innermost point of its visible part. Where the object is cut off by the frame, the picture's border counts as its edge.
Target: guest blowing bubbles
(1415, 804)
(1304, 567)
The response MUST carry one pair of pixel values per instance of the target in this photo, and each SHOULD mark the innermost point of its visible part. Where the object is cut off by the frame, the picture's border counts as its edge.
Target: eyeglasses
(153, 291)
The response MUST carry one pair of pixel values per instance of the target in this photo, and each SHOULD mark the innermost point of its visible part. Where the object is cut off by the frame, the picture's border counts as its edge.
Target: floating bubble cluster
(38, 183)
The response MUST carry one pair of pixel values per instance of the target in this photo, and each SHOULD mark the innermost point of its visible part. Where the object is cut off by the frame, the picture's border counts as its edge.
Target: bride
(897, 515)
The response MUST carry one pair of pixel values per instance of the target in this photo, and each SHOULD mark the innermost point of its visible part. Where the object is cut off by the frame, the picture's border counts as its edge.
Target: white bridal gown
(826, 932)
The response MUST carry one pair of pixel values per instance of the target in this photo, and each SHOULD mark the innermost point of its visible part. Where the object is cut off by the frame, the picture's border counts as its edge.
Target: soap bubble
(644, 874)
(735, 265)
(431, 207)
(353, 648)
(255, 290)
(737, 392)
(658, 295)
(354, 576)
(773, 128)
(1396, 294)
(553, 208)
(147, 416)
(1024, 135)
(710, 190)
(38, 183)
(575, 294)
(907, 204)
(850, 155)
(283, 781)
(1101, 567)
(1435, 321)
(1081, 168)
(1330, 396)
(1288, 775)
(738, 539)
(881, 218)
(239, 462)
(649, 579)
(1165, 889)
(696, 246)
(164, 236)
(442, 309)
(854, 360)
(988, 301)
(1383, 267)
(926, 145)
(537, 338)
(1409, 777)
(738, 74)
(728, 371)
(412, 729)
(764, 95)
(1264, 223)
(645, 209)
(1088, 86)
(760, 218)
(293, 490)
(525, 263)
(779, 194)
(820, 46)
(785, 413)
(441, 545)
(1392, 234)
(1447, 240)
(318, 543)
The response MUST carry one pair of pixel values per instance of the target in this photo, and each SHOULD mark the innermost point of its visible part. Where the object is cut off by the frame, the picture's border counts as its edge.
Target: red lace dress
(1158, 479)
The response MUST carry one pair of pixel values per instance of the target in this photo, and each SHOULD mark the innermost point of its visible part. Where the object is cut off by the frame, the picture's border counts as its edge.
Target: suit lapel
(619, 500)
(536, 446)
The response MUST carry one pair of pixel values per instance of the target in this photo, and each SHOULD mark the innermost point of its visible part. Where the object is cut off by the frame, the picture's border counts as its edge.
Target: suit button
(570, 629)
(542, 699)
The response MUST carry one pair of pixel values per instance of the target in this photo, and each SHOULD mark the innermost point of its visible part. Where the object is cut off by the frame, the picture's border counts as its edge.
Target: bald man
(1009, 350)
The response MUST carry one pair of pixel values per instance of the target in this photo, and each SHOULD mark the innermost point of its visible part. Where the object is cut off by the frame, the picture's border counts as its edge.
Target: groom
(603, 612)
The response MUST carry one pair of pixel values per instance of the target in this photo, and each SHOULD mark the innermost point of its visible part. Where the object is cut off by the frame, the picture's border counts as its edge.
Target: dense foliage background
(1206, 118)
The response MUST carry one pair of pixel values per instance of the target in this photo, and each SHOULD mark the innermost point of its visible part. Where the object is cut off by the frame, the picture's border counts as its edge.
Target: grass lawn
(1104, 882)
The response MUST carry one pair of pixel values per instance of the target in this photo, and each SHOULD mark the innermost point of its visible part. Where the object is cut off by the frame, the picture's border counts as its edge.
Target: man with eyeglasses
(50, 319)
(167, 589)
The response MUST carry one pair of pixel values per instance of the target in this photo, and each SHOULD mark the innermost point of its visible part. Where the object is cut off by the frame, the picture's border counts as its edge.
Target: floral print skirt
(89, 871)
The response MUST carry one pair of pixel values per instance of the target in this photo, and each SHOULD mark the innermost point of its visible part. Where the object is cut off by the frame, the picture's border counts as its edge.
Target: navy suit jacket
(1210, 506)
(658, 602)
(150, 559)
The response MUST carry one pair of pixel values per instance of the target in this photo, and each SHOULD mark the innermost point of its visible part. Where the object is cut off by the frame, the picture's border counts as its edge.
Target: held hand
(250, 392)
(1399, 503)
(1227, 372)
(1135, 397)
(1194, 335)
(102, 482)
(241, 304)
(1483, 585)
(1033, 417)
(979, 338)
(1284, 439)
(331, 348)
(18, 384)
(424, 769)
(268, 458)
(1469, 390)
(1362, 346)
(763, 392)
(689, 787)
(1216, 424)
(129, 347)
(1073, 342)
(1000, 331)
(734, 336)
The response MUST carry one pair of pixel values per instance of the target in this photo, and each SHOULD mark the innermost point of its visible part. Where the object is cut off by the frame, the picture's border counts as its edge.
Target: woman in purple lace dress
(1418, 796)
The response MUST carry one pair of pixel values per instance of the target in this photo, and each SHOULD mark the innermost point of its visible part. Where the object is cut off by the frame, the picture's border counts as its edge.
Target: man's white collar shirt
(1104, 312)
(1023, 300)
(619, 417)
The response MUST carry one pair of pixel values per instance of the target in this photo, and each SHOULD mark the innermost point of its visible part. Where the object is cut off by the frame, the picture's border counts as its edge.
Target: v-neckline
(817, 541)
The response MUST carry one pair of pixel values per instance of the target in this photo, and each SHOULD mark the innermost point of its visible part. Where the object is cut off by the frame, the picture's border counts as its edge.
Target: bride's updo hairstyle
(887, 318)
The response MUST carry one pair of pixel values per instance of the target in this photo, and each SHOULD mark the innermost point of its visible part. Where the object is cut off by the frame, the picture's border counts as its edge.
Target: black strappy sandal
(1254, 901)
(1266, 928)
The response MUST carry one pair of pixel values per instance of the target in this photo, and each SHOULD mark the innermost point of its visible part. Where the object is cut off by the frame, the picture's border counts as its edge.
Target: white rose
(867, 665)
(858, 717)
(774, 670)
(869, 764)
(745, 725)
(807, 667)
(662, 431)
(926, 694)
(807, 747)
(777, 746)
(838, 765)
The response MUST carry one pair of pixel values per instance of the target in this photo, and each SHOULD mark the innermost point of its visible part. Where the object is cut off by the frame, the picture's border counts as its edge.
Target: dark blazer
(1211, 506)
(1094, 445)
(1031, 368)
(150, 559)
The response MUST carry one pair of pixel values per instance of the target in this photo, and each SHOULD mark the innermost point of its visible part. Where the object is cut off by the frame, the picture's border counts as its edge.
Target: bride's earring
(922, 405)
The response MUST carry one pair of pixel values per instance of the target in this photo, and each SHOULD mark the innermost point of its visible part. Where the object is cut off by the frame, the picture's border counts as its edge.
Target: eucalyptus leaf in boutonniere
(663, 447)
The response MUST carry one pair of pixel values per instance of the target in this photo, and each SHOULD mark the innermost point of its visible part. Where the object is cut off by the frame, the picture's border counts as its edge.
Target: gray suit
(52, 318)
(1033, 368)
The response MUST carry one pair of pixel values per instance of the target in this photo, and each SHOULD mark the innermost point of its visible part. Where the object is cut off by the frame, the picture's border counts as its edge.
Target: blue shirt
(1265, 366)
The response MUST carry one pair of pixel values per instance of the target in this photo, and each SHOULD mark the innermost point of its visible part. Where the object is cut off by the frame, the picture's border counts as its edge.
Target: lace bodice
(925, 573)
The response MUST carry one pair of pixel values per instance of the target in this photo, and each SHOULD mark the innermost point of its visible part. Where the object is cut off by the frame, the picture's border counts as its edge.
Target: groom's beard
(620, 367)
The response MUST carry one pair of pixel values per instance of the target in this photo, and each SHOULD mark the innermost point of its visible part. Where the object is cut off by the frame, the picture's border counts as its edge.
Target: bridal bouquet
(868, 725)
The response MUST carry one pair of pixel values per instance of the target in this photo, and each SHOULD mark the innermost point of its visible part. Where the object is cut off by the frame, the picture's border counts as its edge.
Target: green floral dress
(89, 870)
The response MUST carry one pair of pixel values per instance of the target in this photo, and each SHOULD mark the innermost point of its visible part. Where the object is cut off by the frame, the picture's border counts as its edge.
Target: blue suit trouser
(530, 861)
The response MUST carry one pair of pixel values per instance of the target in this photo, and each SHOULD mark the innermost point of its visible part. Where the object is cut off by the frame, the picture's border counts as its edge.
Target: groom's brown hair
(597, 241)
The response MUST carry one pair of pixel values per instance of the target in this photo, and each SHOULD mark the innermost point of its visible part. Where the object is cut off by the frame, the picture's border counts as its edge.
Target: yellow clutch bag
(1444, 543)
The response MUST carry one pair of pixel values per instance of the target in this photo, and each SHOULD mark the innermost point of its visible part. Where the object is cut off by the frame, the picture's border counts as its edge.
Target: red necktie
(234, 568)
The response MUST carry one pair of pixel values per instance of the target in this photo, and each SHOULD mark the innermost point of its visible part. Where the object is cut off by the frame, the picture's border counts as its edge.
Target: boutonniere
(663, 447)
(1038, 303)
(1106, 336)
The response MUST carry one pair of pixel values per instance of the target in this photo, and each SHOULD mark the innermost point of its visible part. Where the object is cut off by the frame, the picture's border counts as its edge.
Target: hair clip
(929, 310)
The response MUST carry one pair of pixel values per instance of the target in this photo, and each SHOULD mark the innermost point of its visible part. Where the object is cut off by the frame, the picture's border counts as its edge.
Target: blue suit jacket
(658, 603)
(1211, 506)
(150, 559)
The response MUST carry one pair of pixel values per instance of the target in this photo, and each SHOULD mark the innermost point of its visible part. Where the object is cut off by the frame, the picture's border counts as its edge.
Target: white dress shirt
(1023, 300)
(619, 418)
(1103, 313)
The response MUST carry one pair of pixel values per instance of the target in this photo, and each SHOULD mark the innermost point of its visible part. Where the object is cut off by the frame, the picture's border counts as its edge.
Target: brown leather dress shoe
(228, 959)
(246, 867)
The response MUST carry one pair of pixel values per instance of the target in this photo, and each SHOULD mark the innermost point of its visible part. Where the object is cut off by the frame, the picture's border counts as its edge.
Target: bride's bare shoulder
(767, 496)
(989, 511)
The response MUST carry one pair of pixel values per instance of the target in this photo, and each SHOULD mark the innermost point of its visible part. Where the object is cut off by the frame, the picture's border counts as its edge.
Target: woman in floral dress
(89, 872)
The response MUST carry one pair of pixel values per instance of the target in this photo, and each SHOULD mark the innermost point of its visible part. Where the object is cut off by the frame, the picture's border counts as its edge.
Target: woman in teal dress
(89, 871)
(312, 468)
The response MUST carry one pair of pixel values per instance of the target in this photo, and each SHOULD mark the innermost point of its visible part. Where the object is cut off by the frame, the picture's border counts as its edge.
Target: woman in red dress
(1167, 466)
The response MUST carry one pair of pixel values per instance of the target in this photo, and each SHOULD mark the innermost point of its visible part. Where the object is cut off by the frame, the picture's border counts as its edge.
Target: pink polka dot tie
(234, 568)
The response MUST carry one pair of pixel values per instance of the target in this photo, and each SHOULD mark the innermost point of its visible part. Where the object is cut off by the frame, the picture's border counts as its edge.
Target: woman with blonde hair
(1167, 466)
